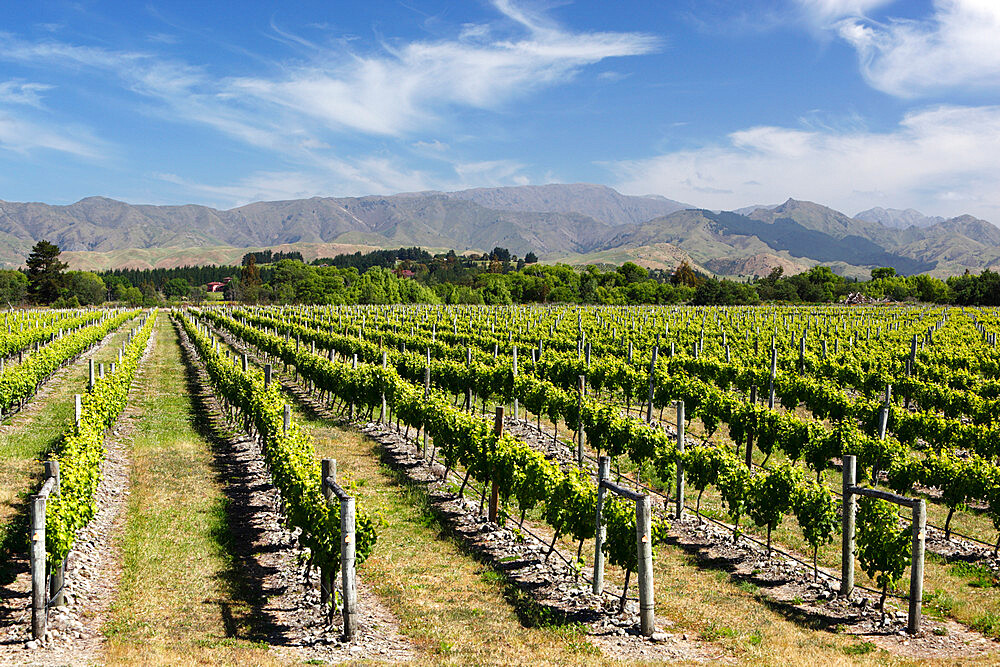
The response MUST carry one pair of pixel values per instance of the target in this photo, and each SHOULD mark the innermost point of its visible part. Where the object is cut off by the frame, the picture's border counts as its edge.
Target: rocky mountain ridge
(576, 223)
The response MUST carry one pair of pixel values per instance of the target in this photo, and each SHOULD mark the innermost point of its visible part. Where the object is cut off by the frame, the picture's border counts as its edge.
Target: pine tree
(45, 272)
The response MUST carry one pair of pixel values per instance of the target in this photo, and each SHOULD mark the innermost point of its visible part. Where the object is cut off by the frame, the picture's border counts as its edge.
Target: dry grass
(450, 605)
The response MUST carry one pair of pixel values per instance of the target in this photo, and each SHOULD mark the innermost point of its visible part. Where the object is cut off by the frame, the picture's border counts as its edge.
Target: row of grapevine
(523, 476)
(19, 382)
(962, 480)
(81, 450)
(289, 454)
(42, 327)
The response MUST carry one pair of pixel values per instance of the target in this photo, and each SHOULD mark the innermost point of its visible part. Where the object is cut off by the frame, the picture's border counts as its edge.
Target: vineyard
(278, 485)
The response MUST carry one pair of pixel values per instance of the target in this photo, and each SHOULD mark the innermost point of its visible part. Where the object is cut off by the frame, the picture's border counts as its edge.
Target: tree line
(414, 275)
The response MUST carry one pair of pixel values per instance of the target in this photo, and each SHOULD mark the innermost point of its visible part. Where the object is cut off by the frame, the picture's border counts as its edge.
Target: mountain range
(574, 223)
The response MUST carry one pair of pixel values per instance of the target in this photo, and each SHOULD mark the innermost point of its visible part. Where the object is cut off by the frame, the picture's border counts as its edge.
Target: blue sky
(721, 104)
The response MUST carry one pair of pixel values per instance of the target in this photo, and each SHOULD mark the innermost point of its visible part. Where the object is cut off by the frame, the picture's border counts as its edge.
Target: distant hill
(596, 201)
(577, 223)
(897, 218)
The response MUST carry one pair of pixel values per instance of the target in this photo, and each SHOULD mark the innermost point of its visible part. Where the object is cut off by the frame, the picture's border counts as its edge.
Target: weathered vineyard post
(847, 528)
(516, 412)
(382, 413)
(347, 546)
(36, 555)
(644, 544)
(652, 383)
(57, 579)
(644, 549)
(603, 473)
(39, 590)
(494, 490)
(917, 566)
(427, 393)
(580, 436)
(883, 414)
(347, 555)
(918, 527)
(774, 372)
(679, 511)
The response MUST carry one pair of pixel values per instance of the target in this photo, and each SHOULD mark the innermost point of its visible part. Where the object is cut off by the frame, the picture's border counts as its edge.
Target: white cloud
(955, 49)
(22, 135)
(332, 177)
(19, 92)
(403, 88)
(396, 91)
(944, 160)
(825, 11)
(487, 173)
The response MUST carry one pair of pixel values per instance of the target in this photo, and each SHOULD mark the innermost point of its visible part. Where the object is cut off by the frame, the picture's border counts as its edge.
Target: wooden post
(427, 393)
(749, 438)
(679, 510)
(494, 491)
(917, 566)
(847, 527)
(468, 390)
(287, 418)
(90, 376)
(883, 415)
(382, 411)
(39, 590)
(774, 371)
(603, 473)
(328, 469)
(267, 375)
(644, 549)
(59, 573)
(246, 362)
(515, 380)
(652, 381)
(354, 366)
(580, 435)
(77, 409)
(347, 553)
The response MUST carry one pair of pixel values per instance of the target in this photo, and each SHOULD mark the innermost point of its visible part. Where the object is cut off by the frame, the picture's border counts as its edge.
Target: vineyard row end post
(644, 544)
(494, 489)
(603, 473)
(580, 437)
(679, 512)
(918, 526)
(347, 547)
(37, 556)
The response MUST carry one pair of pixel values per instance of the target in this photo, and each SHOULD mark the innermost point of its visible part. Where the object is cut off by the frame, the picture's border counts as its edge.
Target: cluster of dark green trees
(46, 281)
(413, 275)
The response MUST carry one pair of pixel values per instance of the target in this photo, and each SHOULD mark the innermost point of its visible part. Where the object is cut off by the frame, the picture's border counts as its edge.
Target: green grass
(179, 599)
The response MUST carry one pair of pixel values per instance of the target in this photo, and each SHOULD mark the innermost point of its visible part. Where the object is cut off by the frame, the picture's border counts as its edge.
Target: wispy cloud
(25, 136)
(398, 89)
(406, 87)
(943, 160)
(824, 12)
(334, 93)
(954, 48)
(21, 92)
